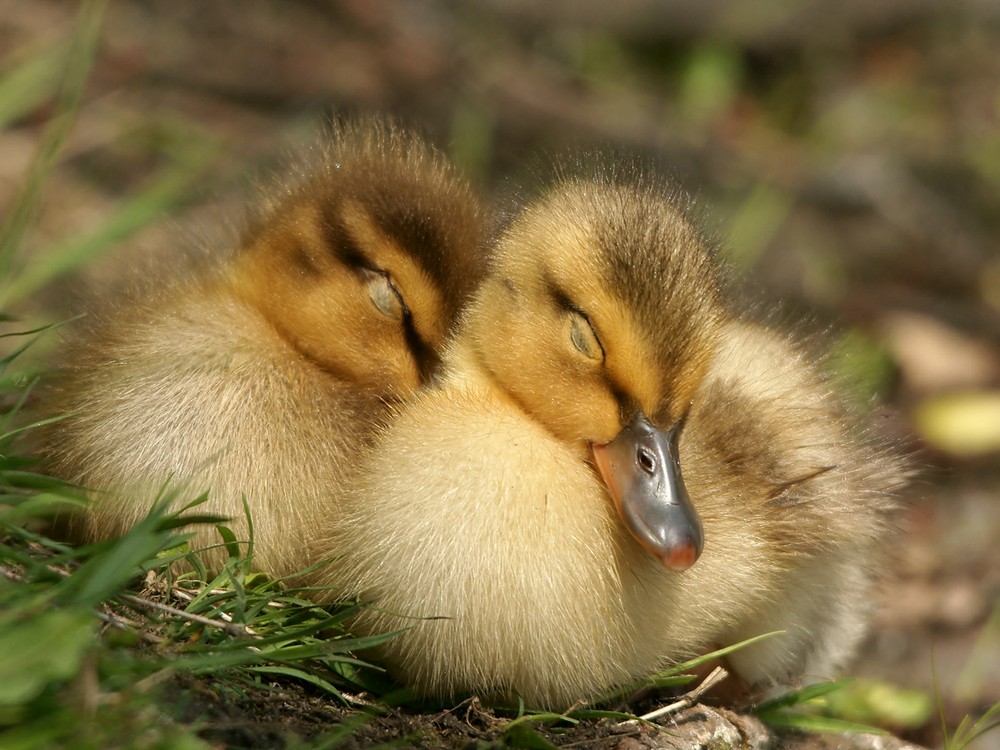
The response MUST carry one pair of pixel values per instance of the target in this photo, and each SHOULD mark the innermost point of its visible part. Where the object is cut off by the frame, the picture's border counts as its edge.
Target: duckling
(262, 371)
(613, 473)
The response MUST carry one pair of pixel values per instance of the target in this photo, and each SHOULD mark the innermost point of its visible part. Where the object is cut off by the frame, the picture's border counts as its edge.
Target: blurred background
(845, 156)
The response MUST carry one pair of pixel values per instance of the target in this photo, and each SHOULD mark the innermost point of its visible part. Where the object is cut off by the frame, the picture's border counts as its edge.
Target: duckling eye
(581, 333)
(384, 295)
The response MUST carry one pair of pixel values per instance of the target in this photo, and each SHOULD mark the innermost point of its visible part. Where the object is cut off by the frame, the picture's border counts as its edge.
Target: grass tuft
(969, 729)
(117, 616)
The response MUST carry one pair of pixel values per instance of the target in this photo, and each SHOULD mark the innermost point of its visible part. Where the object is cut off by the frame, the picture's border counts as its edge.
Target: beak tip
(680, 557)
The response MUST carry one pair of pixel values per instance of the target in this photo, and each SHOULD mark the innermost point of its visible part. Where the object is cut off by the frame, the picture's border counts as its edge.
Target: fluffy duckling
(261, 372)
(612, 474)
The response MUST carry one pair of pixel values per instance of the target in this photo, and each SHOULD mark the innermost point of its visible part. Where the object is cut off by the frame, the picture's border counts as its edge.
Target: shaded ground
(281, 716)
(847, 155)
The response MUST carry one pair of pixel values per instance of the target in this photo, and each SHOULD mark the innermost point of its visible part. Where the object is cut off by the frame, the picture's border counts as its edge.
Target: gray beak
(641, 470)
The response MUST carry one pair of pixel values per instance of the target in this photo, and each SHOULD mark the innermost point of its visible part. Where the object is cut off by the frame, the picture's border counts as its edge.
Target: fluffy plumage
(480, 522)
(262, 371)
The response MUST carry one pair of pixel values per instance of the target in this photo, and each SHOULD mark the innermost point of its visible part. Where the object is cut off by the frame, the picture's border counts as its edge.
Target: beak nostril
(645, 459)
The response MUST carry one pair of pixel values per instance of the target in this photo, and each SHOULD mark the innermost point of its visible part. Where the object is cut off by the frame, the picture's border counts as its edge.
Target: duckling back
(797, 496)
(262, 372)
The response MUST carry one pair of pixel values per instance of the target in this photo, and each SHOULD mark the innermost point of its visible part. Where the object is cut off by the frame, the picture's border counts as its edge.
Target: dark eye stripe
(407, 315)
(627, 405)
(340, 243)
(424, 355)
(559, 296)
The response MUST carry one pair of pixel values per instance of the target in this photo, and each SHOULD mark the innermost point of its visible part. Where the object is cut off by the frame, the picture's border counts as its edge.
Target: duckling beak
(641, 470)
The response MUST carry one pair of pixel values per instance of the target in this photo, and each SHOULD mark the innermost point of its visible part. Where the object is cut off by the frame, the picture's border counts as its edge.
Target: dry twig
(685, 701)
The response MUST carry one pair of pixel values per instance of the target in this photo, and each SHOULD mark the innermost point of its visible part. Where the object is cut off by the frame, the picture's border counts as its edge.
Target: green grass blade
(78, 63)
(33, 81)
(805, 722)
(698, 661)
(40, 506)
(302, 676)
(969, 731)
(36, 651)
(808, 693)
(675, 676)
(5, 361)
(102, 576)
(526, 737)
(542, 717)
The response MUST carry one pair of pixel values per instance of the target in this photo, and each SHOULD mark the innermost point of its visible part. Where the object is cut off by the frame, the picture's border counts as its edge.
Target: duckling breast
(497, 546)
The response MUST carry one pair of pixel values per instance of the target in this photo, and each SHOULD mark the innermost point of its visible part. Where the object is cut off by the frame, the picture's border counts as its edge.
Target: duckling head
(363, 263)
(599, 320)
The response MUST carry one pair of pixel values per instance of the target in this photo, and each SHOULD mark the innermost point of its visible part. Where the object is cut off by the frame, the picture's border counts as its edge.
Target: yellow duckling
(612, 474)
(262, 371)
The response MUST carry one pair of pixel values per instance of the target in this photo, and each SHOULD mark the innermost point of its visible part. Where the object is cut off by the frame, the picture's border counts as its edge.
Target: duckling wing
(200, 395)
(794, 498)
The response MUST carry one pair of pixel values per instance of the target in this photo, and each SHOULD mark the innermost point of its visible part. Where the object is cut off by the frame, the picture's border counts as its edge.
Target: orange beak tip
(680, 558)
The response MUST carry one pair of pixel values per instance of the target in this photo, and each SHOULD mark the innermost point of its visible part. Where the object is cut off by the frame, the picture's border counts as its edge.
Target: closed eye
(584, 338)
(581, 332)
(384, 295)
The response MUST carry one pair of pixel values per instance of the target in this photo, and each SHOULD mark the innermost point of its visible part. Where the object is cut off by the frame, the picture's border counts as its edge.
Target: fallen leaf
(963, 423)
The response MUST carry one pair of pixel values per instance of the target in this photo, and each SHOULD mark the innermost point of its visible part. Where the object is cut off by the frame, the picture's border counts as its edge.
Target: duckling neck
(463, 369)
